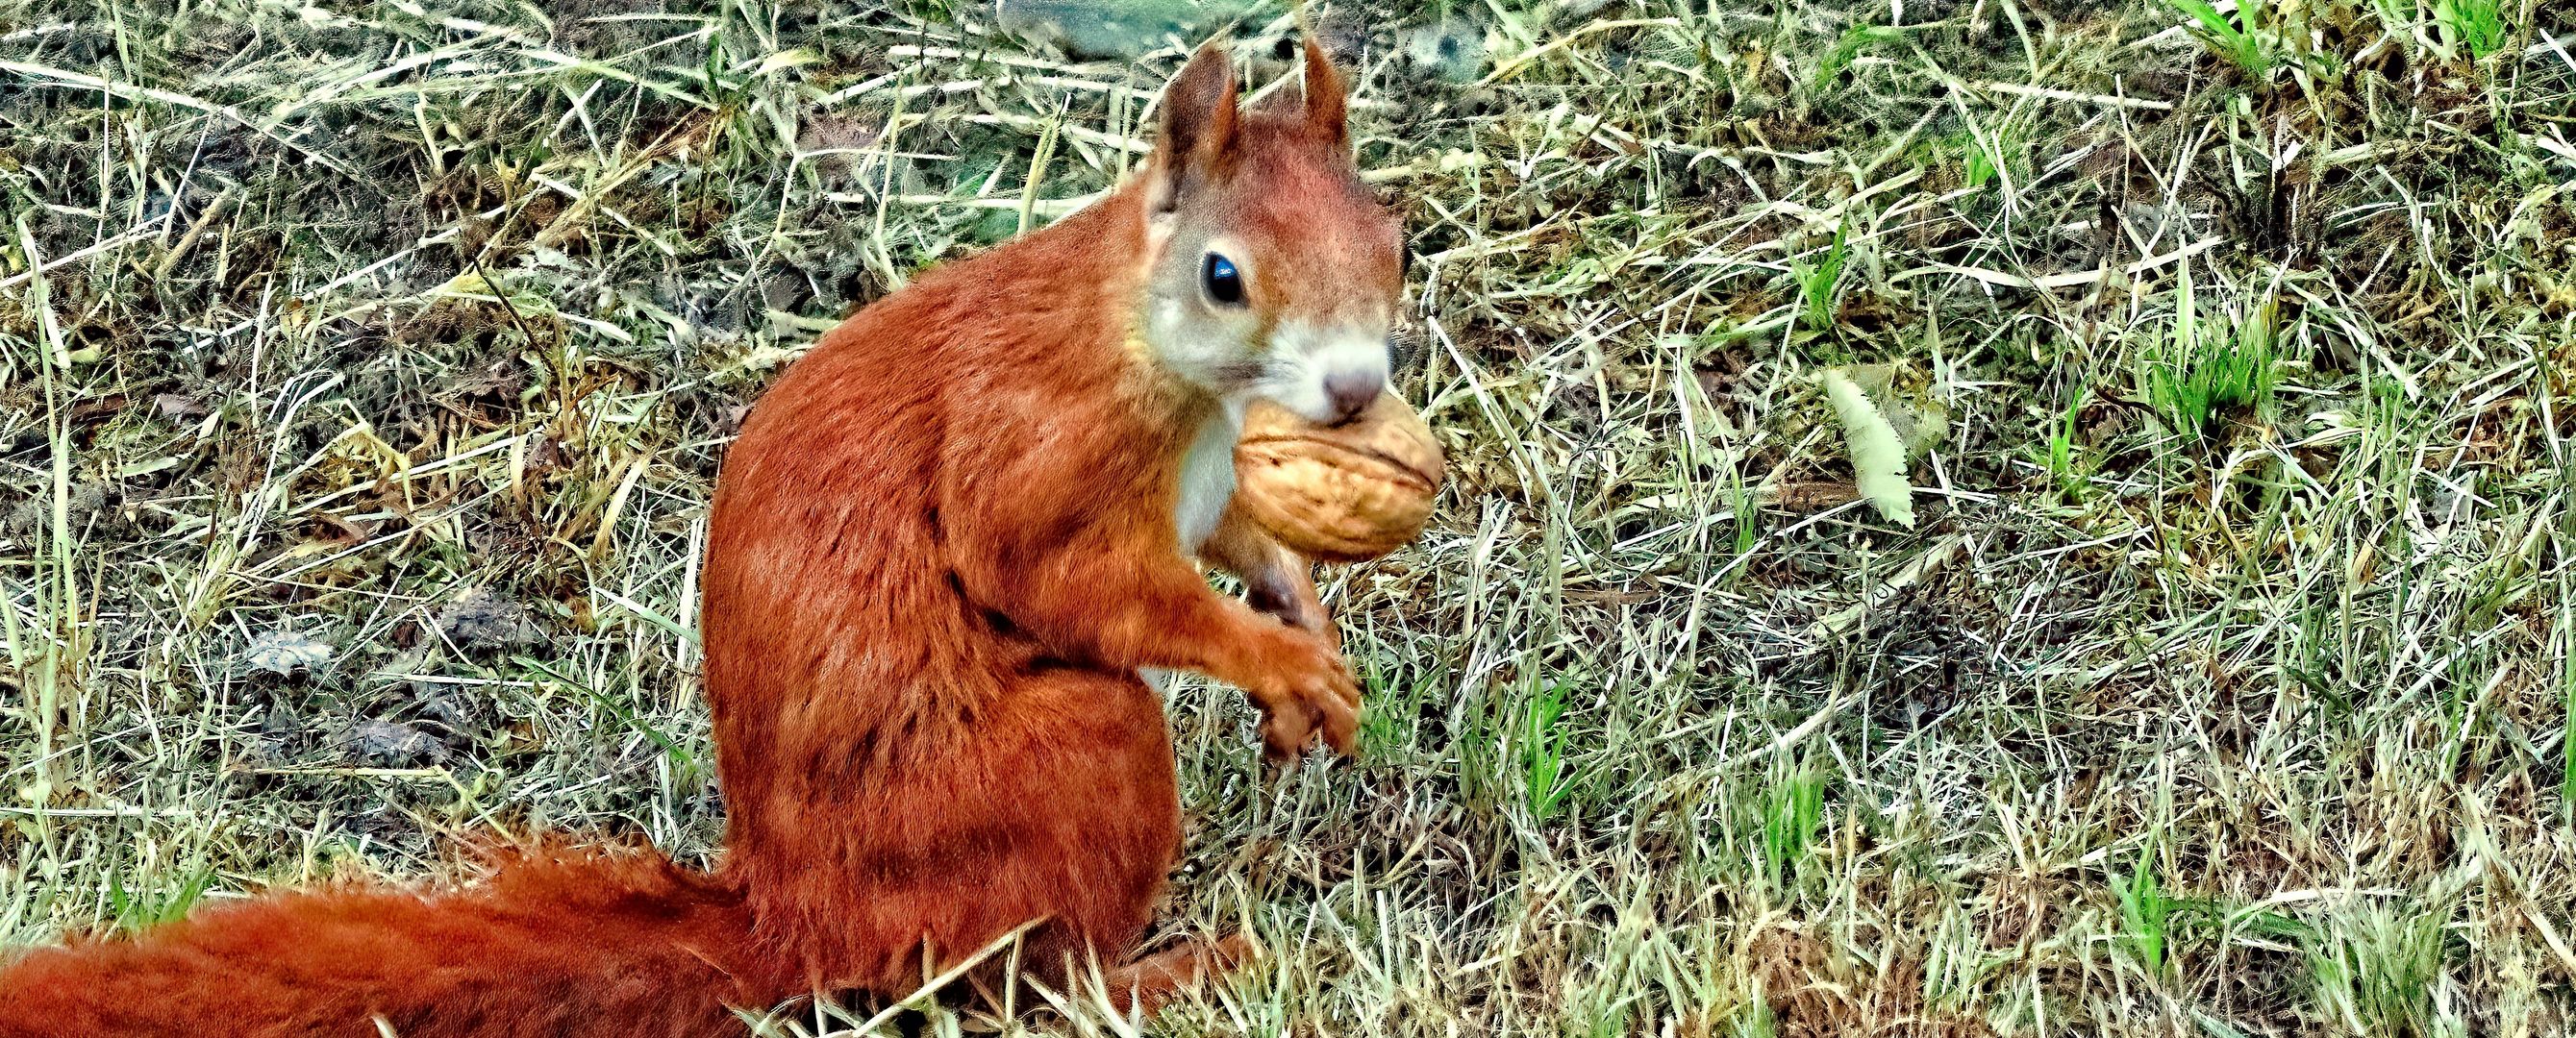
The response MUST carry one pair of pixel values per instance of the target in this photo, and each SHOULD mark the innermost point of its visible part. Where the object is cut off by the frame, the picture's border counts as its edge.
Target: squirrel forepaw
(1315, 695)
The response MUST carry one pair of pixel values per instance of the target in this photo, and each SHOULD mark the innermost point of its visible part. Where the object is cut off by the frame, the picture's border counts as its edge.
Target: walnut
(1342, 493)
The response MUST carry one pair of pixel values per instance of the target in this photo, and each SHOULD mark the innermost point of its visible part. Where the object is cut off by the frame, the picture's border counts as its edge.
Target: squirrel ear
(1196, 140)
(1326, 109)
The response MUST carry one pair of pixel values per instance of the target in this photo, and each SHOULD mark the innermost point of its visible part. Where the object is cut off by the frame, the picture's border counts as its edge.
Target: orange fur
(570, 943)
(940, 552)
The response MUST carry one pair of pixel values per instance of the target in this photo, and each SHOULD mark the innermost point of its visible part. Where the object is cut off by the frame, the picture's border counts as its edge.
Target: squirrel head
(1273, 273)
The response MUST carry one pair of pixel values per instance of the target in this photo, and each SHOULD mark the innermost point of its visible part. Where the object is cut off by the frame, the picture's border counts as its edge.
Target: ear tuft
(1197, 136)
(1327, 110)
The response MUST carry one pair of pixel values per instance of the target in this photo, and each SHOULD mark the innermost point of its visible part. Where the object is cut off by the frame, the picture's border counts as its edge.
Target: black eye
(1224, 284)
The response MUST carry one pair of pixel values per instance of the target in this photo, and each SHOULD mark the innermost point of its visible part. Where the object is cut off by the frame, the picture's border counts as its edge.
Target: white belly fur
(1207, 478)
(1207, 484)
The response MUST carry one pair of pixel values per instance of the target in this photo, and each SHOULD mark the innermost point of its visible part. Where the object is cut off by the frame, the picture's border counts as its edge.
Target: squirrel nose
(1352, 391)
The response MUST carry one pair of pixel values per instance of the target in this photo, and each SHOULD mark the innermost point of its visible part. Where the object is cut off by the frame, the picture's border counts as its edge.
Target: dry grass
(2222, 687)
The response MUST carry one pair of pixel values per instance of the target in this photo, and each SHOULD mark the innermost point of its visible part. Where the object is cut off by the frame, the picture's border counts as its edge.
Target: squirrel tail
(561, 942)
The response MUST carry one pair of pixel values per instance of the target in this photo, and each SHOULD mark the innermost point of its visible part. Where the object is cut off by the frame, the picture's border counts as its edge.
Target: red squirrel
(949, 538)
(944, 551)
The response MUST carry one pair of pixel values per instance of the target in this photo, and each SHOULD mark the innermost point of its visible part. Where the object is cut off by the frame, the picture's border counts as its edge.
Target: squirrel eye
(1224, 284)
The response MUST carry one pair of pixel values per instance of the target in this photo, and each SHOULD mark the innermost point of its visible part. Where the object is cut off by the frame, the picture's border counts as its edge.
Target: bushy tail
(560, 943)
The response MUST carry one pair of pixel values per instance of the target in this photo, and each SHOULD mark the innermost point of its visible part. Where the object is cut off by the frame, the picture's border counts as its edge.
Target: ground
(365, 368)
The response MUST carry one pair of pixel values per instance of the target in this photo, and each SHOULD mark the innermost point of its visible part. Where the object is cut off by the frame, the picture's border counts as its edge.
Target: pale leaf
(1877, 455)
